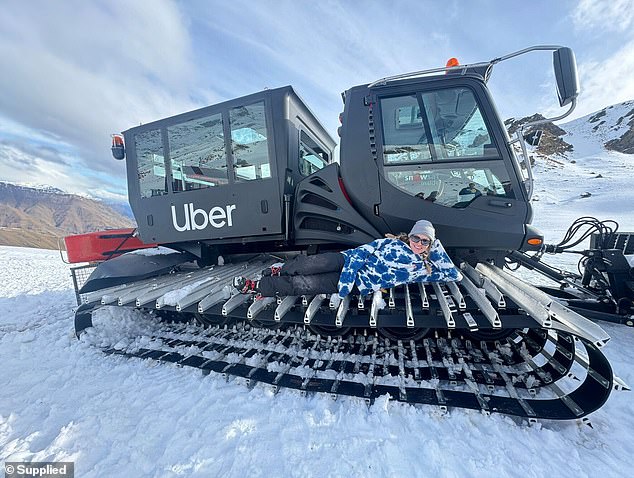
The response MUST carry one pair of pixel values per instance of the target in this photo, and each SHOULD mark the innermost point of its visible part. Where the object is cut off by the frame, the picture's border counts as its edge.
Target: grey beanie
(424, 227)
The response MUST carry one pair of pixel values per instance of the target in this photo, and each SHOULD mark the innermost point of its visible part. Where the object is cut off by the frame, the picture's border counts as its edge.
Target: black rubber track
(443, 371)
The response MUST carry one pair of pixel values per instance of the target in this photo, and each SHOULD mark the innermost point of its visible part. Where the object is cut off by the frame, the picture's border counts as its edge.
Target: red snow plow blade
(102, 245)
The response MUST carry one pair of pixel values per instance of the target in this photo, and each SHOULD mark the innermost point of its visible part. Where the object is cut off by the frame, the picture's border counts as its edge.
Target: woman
(381, 264)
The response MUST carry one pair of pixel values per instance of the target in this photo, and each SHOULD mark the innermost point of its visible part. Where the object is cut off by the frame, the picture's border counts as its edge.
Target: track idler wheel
(329, 330)
(489, 334)
(404, 334)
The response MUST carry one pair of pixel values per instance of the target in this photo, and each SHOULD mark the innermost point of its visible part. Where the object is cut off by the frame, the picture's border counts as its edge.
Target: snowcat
(233, 188)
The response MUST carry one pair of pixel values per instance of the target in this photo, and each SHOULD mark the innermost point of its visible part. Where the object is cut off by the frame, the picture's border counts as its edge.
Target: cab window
(434, 126)
(312, 157)
(249, 142)
(150, 163)
(197, 154)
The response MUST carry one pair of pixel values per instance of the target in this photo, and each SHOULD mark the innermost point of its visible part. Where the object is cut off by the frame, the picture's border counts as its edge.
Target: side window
(249, 142)
(197, 154)
(438, 148)
(150, 163)
(404, 136)
(312, 157)
(453, 184)
(434, 126)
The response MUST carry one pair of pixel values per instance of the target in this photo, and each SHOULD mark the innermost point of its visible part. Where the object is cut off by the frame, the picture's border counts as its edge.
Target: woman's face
(419, 243)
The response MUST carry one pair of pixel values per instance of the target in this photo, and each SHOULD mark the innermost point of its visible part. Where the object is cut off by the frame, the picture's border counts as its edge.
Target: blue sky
(75, 71)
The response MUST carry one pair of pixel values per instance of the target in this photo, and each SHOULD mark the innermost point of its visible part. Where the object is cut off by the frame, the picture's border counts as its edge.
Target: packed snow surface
(62, 399)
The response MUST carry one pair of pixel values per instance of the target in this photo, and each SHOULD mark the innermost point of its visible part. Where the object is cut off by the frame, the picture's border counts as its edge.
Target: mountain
(611, 128)
(37, 217)
(122, 208)
(551, 142)
(590, 179)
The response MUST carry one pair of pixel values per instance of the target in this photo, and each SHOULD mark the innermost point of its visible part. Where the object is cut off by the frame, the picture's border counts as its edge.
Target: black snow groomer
(232, 188)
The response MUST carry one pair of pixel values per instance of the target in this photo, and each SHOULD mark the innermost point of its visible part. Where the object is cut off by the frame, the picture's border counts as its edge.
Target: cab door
(443, 156)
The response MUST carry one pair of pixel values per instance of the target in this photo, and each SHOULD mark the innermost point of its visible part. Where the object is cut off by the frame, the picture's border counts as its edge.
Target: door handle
(500, 203)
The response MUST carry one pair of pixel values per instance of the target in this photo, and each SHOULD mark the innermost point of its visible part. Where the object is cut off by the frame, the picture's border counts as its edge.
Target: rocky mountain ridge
(611, 128)
(551, 142)
(37, 217)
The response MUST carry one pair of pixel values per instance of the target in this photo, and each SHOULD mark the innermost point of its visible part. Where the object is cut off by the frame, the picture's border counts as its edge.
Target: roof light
(118, 149)
(451, 62)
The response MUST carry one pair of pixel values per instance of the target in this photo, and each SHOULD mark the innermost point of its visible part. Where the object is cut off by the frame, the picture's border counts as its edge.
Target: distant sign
(534, 137)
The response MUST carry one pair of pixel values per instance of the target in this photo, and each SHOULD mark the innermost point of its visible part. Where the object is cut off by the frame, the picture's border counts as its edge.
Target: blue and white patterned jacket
(386, 263)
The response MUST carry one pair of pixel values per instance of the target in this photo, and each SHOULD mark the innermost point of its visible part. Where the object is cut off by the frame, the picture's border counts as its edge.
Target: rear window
(249, 142)
(150, 163)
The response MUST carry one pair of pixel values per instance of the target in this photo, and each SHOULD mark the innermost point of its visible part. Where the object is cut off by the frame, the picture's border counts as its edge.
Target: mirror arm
(526, 50)
(550, 120)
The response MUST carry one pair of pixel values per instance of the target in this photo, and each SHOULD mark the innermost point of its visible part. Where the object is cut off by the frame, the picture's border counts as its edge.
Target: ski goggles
(416, 239)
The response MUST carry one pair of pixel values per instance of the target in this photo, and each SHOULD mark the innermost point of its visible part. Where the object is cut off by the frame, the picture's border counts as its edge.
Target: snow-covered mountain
(609, 129)
(551, 143)
(580, 170)
(589, 179)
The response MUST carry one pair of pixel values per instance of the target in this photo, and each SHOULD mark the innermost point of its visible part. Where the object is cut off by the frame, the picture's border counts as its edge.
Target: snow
(172, 297)
(588, 137)
(61, 399)
(155, 251)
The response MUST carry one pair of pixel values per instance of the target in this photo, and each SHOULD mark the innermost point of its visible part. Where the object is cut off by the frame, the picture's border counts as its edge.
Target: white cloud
(82, 70)
(608, 81)
(606, 67)
(21, 166)
(323, 48)
(604, 16)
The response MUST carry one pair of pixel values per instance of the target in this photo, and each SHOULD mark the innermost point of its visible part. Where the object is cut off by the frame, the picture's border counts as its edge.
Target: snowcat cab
(224, 174)
(412, 145)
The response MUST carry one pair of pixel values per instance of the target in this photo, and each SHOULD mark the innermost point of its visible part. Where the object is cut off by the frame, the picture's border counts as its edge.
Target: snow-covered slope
(61, 399)
(559, 189)
(590, 168)
(591, 133)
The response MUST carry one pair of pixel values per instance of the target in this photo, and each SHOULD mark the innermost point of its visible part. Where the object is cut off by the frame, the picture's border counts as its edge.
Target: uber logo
(198, 219)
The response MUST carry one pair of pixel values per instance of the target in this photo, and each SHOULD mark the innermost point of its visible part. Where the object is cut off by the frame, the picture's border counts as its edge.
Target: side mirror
(118, 149)
(566, 74)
